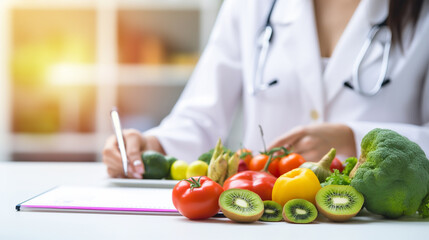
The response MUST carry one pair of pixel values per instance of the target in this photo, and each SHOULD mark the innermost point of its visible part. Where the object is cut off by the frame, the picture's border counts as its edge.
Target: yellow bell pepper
(299, 183)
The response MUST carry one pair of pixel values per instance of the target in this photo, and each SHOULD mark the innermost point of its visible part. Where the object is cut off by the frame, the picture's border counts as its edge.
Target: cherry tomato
(336, 164)
(259, 182)
(290, 162)
(273, 168)
(259, 161)
(245, 154)
(197, 198)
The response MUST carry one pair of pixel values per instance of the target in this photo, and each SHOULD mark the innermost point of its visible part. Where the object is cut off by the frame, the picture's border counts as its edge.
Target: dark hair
(401, 13)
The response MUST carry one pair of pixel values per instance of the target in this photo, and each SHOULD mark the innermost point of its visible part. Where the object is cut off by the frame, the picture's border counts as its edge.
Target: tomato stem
(268, 163)
(244, 155)
(262, 137)
(279, 149)
(194, 183)
(271, 153)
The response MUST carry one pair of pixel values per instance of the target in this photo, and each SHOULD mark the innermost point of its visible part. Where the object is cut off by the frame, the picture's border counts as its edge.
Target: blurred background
(65, 63)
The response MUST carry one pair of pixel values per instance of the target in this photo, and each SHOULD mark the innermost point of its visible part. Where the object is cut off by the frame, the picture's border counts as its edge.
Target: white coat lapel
(286, 11)
(304, 50)
(340, 66)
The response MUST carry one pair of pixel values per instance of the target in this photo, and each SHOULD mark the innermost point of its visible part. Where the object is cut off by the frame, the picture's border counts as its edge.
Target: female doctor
(315, 74)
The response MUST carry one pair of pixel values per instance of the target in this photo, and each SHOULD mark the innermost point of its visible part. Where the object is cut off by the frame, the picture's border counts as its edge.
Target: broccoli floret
(392, 174)
(424, 207)
(206, 157)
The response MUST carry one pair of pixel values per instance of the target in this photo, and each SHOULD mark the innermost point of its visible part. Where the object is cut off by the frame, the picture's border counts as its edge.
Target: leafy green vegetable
(336, 178)
(342, 178)
(350, 164)
(392, 174)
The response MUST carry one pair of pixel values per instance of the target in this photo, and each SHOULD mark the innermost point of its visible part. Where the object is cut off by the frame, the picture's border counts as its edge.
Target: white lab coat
(304, 94)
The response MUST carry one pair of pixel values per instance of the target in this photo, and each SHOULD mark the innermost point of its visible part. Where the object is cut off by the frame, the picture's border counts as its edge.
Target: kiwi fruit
(272, 212)
(299, 211)
(339, 202)
(241, 205)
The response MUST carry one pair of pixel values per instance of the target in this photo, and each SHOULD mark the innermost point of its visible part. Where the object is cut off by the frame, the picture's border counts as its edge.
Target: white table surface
(20, 181)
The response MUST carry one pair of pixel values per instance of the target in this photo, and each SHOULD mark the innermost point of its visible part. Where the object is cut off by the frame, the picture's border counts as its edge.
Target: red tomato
(273, 168)
(245, 154)
(259, 161)
(259, 182)
(290, 162)
(197, 198)
(336, 164)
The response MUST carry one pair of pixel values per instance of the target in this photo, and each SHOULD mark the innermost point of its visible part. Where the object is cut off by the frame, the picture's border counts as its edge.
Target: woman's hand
(314, 141)
(135, 144)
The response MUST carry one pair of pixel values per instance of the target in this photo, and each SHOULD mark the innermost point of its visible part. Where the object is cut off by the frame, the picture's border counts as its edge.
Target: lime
(170, 161)
(196, 169)
(155, 164)
(178, 170)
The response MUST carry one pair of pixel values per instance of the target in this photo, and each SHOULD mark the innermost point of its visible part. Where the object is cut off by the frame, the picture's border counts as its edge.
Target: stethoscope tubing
(384, 65)
(262, 59)
(264, 46)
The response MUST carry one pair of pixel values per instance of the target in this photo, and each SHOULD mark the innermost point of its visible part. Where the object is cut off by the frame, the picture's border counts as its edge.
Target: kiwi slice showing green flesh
(272, 212)
(339, 202)
(241, 205)
(299, 211)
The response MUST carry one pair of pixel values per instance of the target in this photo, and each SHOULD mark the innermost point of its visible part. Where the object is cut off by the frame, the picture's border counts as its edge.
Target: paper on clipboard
(102, 199)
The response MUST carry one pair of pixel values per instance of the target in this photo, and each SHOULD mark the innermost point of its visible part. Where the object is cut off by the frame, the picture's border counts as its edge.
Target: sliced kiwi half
(299, 211)
(339, 202)
(272, 212)
(241, 205)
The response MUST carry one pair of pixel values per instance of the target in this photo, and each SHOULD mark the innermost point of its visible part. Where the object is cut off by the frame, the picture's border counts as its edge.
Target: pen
(120, 139)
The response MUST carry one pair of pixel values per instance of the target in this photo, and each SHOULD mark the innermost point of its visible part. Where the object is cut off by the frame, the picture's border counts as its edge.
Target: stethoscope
(264, 45)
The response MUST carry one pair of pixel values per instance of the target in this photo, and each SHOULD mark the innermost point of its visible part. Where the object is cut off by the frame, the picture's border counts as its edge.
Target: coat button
(314, 114)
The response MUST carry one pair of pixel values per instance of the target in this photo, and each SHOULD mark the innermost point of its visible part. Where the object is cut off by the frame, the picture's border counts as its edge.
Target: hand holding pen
(134, 144)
